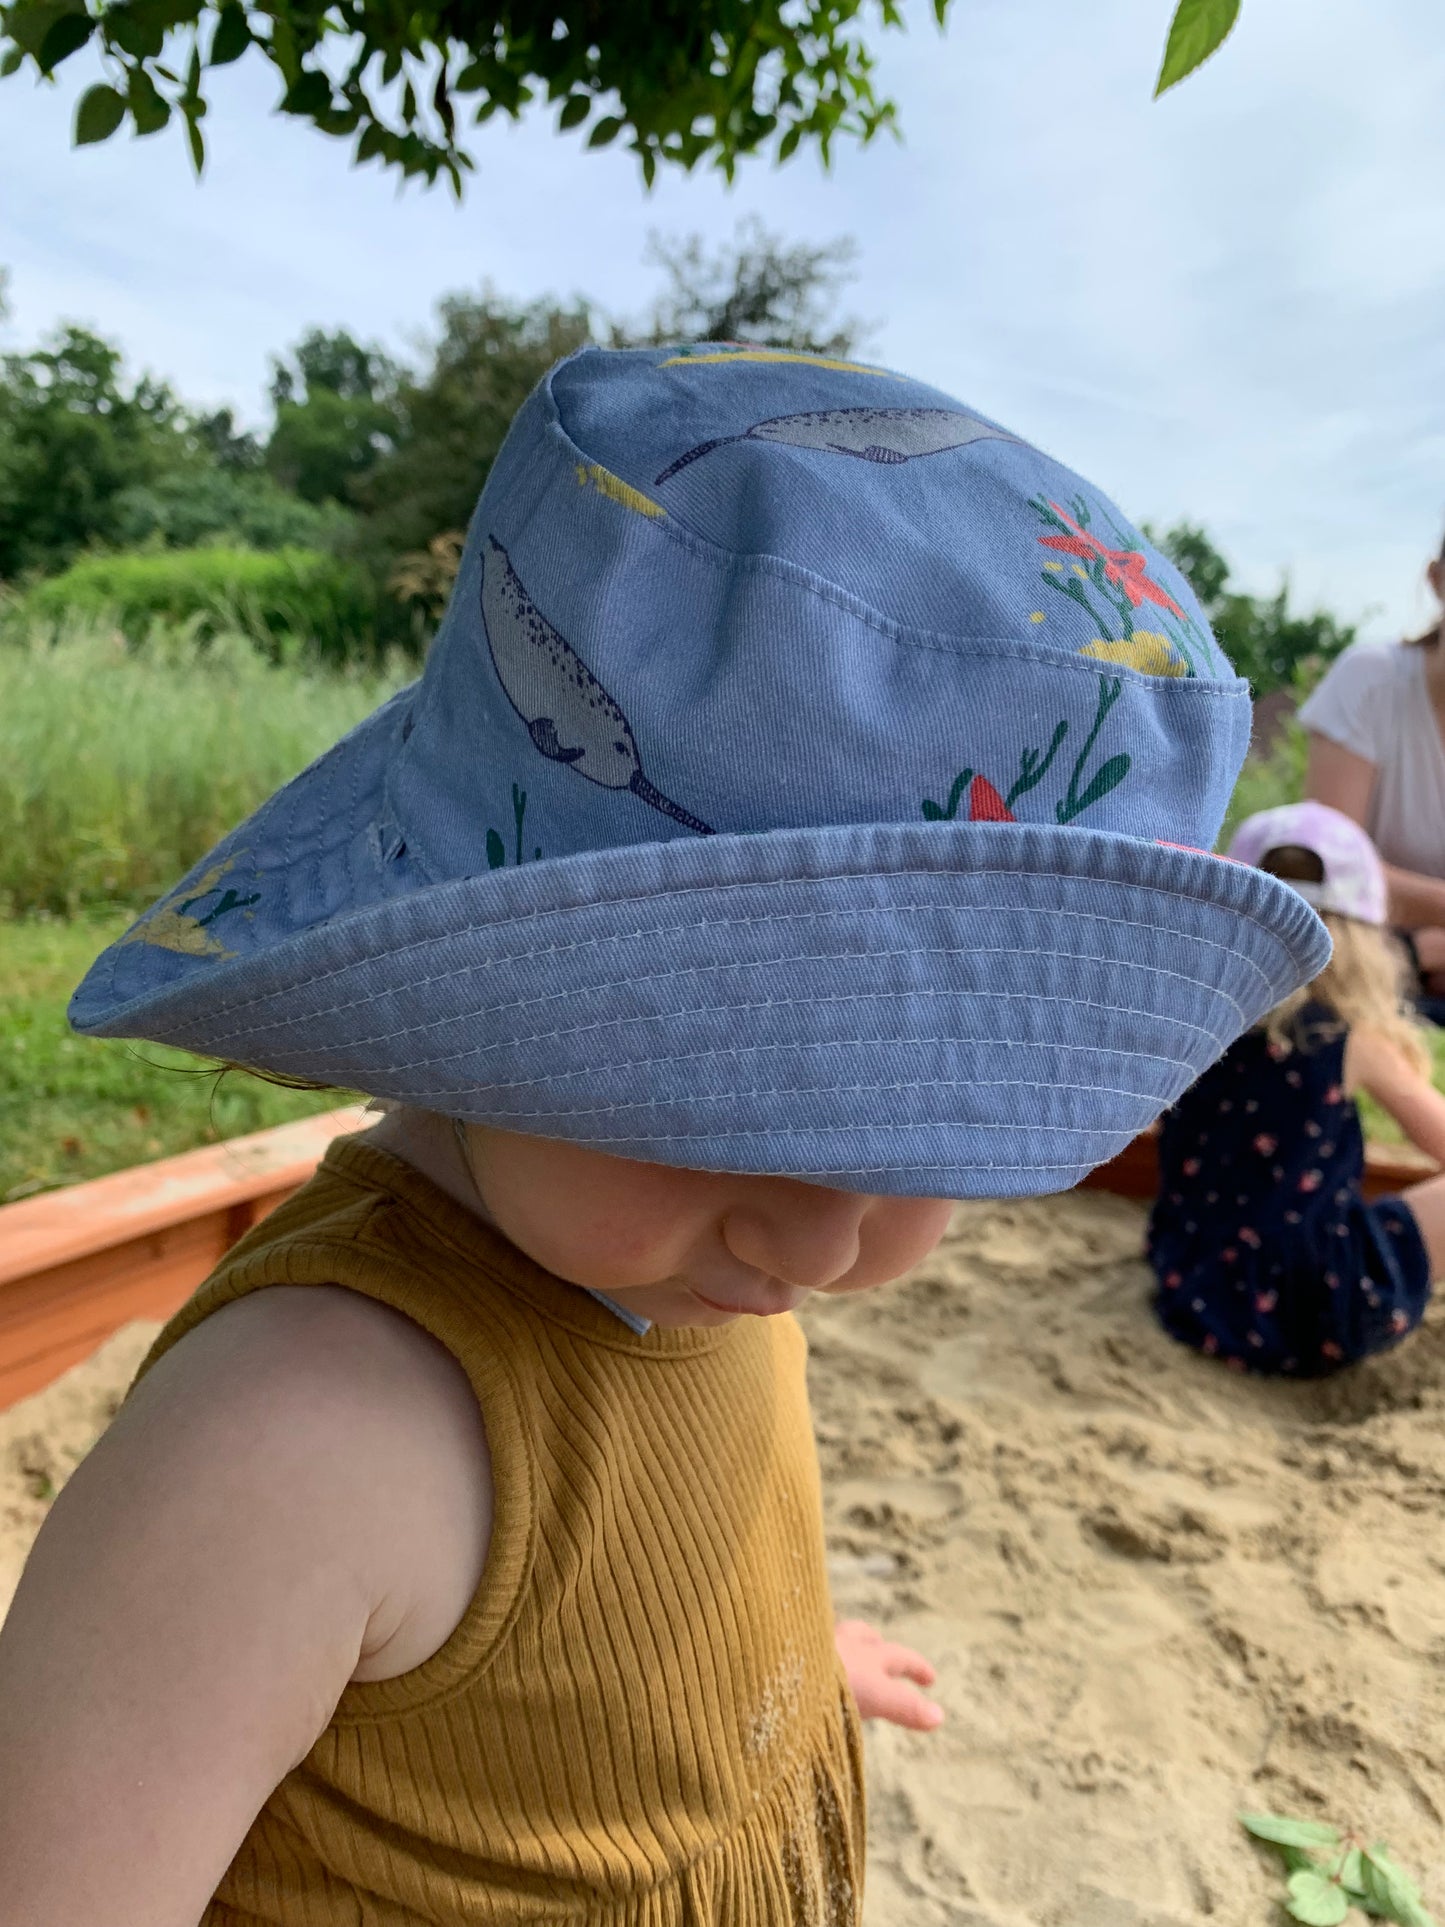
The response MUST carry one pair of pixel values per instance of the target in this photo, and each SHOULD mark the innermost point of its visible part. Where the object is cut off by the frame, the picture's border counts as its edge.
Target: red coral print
(1265, 1300)
(985, 805)
(1334, 1095)
(1399, 1321)
(1249, 1236)
(1127, 569)
(1266, 1145)
(1331, 1349)
(1312, 1180)
(1173, 1280)
(1190, 1167)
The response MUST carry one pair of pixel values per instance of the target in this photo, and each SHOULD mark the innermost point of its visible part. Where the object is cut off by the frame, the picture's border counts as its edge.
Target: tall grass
(120, 767)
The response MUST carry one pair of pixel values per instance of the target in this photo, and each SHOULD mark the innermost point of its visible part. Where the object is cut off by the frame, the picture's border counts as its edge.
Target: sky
(1228, 305)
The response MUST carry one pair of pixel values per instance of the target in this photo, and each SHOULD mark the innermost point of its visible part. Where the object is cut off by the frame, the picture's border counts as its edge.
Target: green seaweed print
(987, 804)
(496, 848)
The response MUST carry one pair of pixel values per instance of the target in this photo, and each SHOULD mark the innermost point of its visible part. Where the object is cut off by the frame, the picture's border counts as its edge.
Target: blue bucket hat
(795, 786)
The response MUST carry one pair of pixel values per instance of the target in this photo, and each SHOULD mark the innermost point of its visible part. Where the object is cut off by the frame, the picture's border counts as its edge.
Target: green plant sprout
(1332, 1873)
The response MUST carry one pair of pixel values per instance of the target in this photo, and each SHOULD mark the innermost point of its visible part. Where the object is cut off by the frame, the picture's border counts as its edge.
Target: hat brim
(930, 1009)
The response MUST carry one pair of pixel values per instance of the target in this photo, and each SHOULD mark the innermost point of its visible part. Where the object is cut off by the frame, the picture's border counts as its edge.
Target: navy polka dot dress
(1266, 1253)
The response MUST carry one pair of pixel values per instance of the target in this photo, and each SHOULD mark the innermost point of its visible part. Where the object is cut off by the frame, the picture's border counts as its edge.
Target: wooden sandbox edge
(78, 1263)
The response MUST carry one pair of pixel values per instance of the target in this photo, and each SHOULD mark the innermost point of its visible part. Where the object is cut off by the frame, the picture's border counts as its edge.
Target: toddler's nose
(801, 1234)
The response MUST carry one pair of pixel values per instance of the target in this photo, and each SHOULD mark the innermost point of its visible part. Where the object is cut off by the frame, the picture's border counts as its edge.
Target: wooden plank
(77, 1264)
(81, 1218)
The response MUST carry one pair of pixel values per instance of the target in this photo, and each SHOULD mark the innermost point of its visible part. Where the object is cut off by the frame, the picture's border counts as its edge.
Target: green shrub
(186, 507)
(290, 600)
(119, 768)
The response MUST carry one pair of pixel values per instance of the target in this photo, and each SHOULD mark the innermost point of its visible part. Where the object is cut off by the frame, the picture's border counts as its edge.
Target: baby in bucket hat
(797, 826)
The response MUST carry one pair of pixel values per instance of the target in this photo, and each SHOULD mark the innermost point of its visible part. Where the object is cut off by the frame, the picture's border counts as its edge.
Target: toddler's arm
(259, 1526)
(1373, 1064)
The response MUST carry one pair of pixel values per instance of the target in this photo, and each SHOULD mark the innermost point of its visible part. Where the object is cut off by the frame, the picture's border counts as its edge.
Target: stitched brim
(936, 1009)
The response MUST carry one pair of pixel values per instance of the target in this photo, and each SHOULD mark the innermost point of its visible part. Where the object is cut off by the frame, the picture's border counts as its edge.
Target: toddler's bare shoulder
(316, 1414)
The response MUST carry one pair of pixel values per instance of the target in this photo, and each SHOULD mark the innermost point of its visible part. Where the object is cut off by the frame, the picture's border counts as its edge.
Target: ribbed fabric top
(641, 1720)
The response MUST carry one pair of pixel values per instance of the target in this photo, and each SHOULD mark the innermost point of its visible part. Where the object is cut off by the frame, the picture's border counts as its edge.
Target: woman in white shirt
(1377, 752)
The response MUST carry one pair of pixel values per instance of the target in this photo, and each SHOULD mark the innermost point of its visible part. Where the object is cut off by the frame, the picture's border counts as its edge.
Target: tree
(336, 415)
(1265, 640)
(74, 436)
(757, 289)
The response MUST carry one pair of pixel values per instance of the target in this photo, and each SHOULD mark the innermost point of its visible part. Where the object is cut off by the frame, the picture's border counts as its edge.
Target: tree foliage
(336, 415)
(680, 82)
(685, 82)
(755, 289)
(74, 436)
(1263, 637)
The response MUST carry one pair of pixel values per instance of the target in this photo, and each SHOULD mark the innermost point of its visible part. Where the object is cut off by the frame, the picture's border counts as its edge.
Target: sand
(1156, 1592)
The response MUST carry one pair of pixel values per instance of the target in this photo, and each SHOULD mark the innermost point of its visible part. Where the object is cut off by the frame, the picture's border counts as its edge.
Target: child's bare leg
(1427, 1201)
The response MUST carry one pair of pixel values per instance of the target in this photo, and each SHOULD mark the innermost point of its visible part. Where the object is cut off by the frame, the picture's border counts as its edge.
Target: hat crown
(732, 589)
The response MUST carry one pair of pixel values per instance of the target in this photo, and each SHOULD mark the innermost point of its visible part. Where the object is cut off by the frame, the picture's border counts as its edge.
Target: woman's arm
(1337, 776)
(259, 1526)
(1373, 1064)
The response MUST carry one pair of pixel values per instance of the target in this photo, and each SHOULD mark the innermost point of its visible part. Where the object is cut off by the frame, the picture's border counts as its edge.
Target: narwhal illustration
(569, 715)
(871, 434)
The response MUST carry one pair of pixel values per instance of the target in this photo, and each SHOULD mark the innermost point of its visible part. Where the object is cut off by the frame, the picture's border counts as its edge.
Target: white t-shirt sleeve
(1355, 704)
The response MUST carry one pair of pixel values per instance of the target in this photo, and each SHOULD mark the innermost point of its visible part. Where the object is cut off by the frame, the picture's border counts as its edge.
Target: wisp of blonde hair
(1363, 983)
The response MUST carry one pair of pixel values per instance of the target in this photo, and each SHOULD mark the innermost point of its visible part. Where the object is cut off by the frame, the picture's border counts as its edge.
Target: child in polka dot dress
(1266, 1253)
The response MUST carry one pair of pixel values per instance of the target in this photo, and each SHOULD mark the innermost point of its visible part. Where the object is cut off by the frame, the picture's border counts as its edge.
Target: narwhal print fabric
(808, 776)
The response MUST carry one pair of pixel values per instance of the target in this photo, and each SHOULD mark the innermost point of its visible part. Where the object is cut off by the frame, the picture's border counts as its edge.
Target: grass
(77, 1107)
(119, 768)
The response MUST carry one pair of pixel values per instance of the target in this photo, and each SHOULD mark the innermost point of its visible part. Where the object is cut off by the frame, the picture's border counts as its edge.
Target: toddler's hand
(878, 1673)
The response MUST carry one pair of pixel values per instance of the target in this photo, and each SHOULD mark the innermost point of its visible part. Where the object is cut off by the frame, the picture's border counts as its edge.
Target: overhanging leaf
(231, 38)
(100, 112)
(149, 108)
(1316, 1900)
(1286, 1832)
(67, 36)
(1200, 28)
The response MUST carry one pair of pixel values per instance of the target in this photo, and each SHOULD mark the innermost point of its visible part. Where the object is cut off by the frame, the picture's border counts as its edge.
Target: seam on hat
(783, 1003)
(718, 886)
(770, 1131)
(800, 576)
(745, 963)
(795, 1043)
(848, 1090)
(704, 970)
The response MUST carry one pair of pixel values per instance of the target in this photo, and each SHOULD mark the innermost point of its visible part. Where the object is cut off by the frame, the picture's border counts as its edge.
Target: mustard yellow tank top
(641, 1720)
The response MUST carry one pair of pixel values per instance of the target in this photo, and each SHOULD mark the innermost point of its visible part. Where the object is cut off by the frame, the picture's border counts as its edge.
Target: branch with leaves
(681, 82)
(684, 82)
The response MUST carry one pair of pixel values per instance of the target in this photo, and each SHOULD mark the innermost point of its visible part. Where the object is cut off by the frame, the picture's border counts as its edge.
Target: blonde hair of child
(1362, 984)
